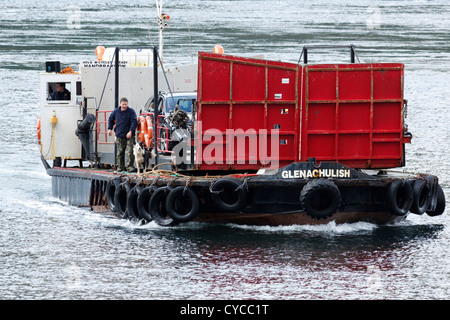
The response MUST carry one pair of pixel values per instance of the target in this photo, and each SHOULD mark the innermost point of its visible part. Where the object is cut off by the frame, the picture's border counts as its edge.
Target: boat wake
(329, 228)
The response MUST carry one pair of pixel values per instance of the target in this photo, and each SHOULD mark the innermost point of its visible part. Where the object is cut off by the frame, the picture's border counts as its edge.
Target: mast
(162, 22)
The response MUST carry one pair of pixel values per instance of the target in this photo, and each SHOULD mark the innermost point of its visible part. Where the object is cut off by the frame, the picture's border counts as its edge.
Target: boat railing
(102, 126)
(162, 134)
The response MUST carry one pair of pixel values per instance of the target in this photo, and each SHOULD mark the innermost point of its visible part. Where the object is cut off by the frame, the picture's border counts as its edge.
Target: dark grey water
(49, 250)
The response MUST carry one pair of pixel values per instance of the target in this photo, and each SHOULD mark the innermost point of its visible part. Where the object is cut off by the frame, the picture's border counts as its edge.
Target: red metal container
(252, 112)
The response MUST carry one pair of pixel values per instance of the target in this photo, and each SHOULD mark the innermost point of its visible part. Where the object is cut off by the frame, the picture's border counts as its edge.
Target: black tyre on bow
(320, 198)
(182, 204)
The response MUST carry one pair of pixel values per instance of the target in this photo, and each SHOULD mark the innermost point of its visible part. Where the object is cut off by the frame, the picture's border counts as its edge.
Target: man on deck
(125, 129)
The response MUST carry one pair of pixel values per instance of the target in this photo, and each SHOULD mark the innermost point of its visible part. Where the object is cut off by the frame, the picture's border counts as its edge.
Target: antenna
(162, 21)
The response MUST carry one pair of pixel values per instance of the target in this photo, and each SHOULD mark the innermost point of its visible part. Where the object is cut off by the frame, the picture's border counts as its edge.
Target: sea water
(49, 250)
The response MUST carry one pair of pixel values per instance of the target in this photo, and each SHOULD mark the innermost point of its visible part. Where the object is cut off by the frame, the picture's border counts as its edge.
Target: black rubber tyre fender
(157, 207)
(400, 197)
(111, 187)
(132, 207)
(182, 204)
(422, 196)
(143, 201)
(320, 198)
(228, 195)
(120, 199)
(440, 206)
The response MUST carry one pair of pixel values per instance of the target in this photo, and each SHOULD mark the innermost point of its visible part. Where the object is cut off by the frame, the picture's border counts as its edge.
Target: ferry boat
(250, 141)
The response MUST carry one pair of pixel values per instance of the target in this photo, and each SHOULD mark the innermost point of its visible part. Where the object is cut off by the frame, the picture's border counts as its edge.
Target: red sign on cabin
(257, 113)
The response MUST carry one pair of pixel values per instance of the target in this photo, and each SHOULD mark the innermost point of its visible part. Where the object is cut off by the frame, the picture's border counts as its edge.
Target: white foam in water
(331, 227)
(49, 205)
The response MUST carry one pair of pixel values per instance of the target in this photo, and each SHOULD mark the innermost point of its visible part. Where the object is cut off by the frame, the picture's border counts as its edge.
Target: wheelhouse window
(59, 92)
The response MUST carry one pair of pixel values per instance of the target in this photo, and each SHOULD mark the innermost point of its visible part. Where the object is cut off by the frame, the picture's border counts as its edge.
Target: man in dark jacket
(61, 92)
(125, 121)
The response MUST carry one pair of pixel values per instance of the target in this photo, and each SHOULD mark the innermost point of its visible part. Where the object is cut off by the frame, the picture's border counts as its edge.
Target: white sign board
(103, 64)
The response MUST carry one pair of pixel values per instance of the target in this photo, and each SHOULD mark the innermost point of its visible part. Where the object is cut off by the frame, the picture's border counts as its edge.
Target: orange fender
(39, 129)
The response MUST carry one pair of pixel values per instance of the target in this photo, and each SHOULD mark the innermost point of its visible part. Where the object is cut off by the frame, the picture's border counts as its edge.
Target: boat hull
(270, 199)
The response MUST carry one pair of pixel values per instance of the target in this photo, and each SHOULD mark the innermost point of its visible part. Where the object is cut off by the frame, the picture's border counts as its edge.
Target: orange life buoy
(39, 130)
(148, 136)
(141, 128)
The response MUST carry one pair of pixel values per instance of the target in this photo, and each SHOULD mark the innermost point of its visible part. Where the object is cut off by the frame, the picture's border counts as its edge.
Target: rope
(186, 186)
(176, 175)
(138, 183)
(154, 182)
(244, 184)
(211, 190)
(50, 145)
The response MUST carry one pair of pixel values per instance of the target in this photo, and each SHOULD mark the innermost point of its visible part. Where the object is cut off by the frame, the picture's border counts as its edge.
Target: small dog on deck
(142, 156)
(138, 156)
